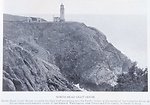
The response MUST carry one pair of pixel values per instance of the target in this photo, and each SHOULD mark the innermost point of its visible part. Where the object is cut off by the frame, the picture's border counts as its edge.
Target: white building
(33, 19)
(56, 19)
(62, 15)
(62, 12)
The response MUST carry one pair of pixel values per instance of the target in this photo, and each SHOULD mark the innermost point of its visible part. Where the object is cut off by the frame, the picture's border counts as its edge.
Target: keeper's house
(33, 19)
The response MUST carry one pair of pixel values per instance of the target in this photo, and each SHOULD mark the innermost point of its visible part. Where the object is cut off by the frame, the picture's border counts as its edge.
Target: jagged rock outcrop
(23, 71)
(81, 53)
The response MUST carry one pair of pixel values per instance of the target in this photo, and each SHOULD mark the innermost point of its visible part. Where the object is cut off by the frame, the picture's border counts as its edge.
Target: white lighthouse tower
(62, 13)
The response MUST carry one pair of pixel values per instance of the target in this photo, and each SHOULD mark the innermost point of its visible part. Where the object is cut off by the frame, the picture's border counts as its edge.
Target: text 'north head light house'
(62, 15)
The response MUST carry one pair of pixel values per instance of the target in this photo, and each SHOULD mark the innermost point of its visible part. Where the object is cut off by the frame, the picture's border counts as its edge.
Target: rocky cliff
(24, 71)
(54, 56)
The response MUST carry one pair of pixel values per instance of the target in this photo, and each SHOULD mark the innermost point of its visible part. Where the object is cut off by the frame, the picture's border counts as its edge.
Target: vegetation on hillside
(135, 79)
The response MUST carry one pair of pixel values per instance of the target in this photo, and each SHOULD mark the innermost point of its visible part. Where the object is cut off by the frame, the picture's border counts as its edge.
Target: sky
(122, 21)
(76, 6)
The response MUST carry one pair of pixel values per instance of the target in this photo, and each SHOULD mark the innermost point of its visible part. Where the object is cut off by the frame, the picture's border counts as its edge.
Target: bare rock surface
(25, 72)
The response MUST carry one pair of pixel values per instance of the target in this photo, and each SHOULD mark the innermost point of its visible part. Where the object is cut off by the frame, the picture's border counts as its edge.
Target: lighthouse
(61, 18)
(62, 13)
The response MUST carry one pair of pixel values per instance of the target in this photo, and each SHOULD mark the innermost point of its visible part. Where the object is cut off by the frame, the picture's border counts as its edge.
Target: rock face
(23, 71)
(52, 56)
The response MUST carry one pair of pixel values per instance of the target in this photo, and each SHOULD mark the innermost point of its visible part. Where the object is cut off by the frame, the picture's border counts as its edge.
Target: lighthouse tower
(62, 13)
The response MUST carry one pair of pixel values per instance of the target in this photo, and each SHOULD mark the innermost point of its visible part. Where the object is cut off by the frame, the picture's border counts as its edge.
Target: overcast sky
(76, 6)
(122, 21)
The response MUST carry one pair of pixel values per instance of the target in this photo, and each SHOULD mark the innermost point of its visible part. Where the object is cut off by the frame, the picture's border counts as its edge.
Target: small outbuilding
(56, 19)
(33, 19)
